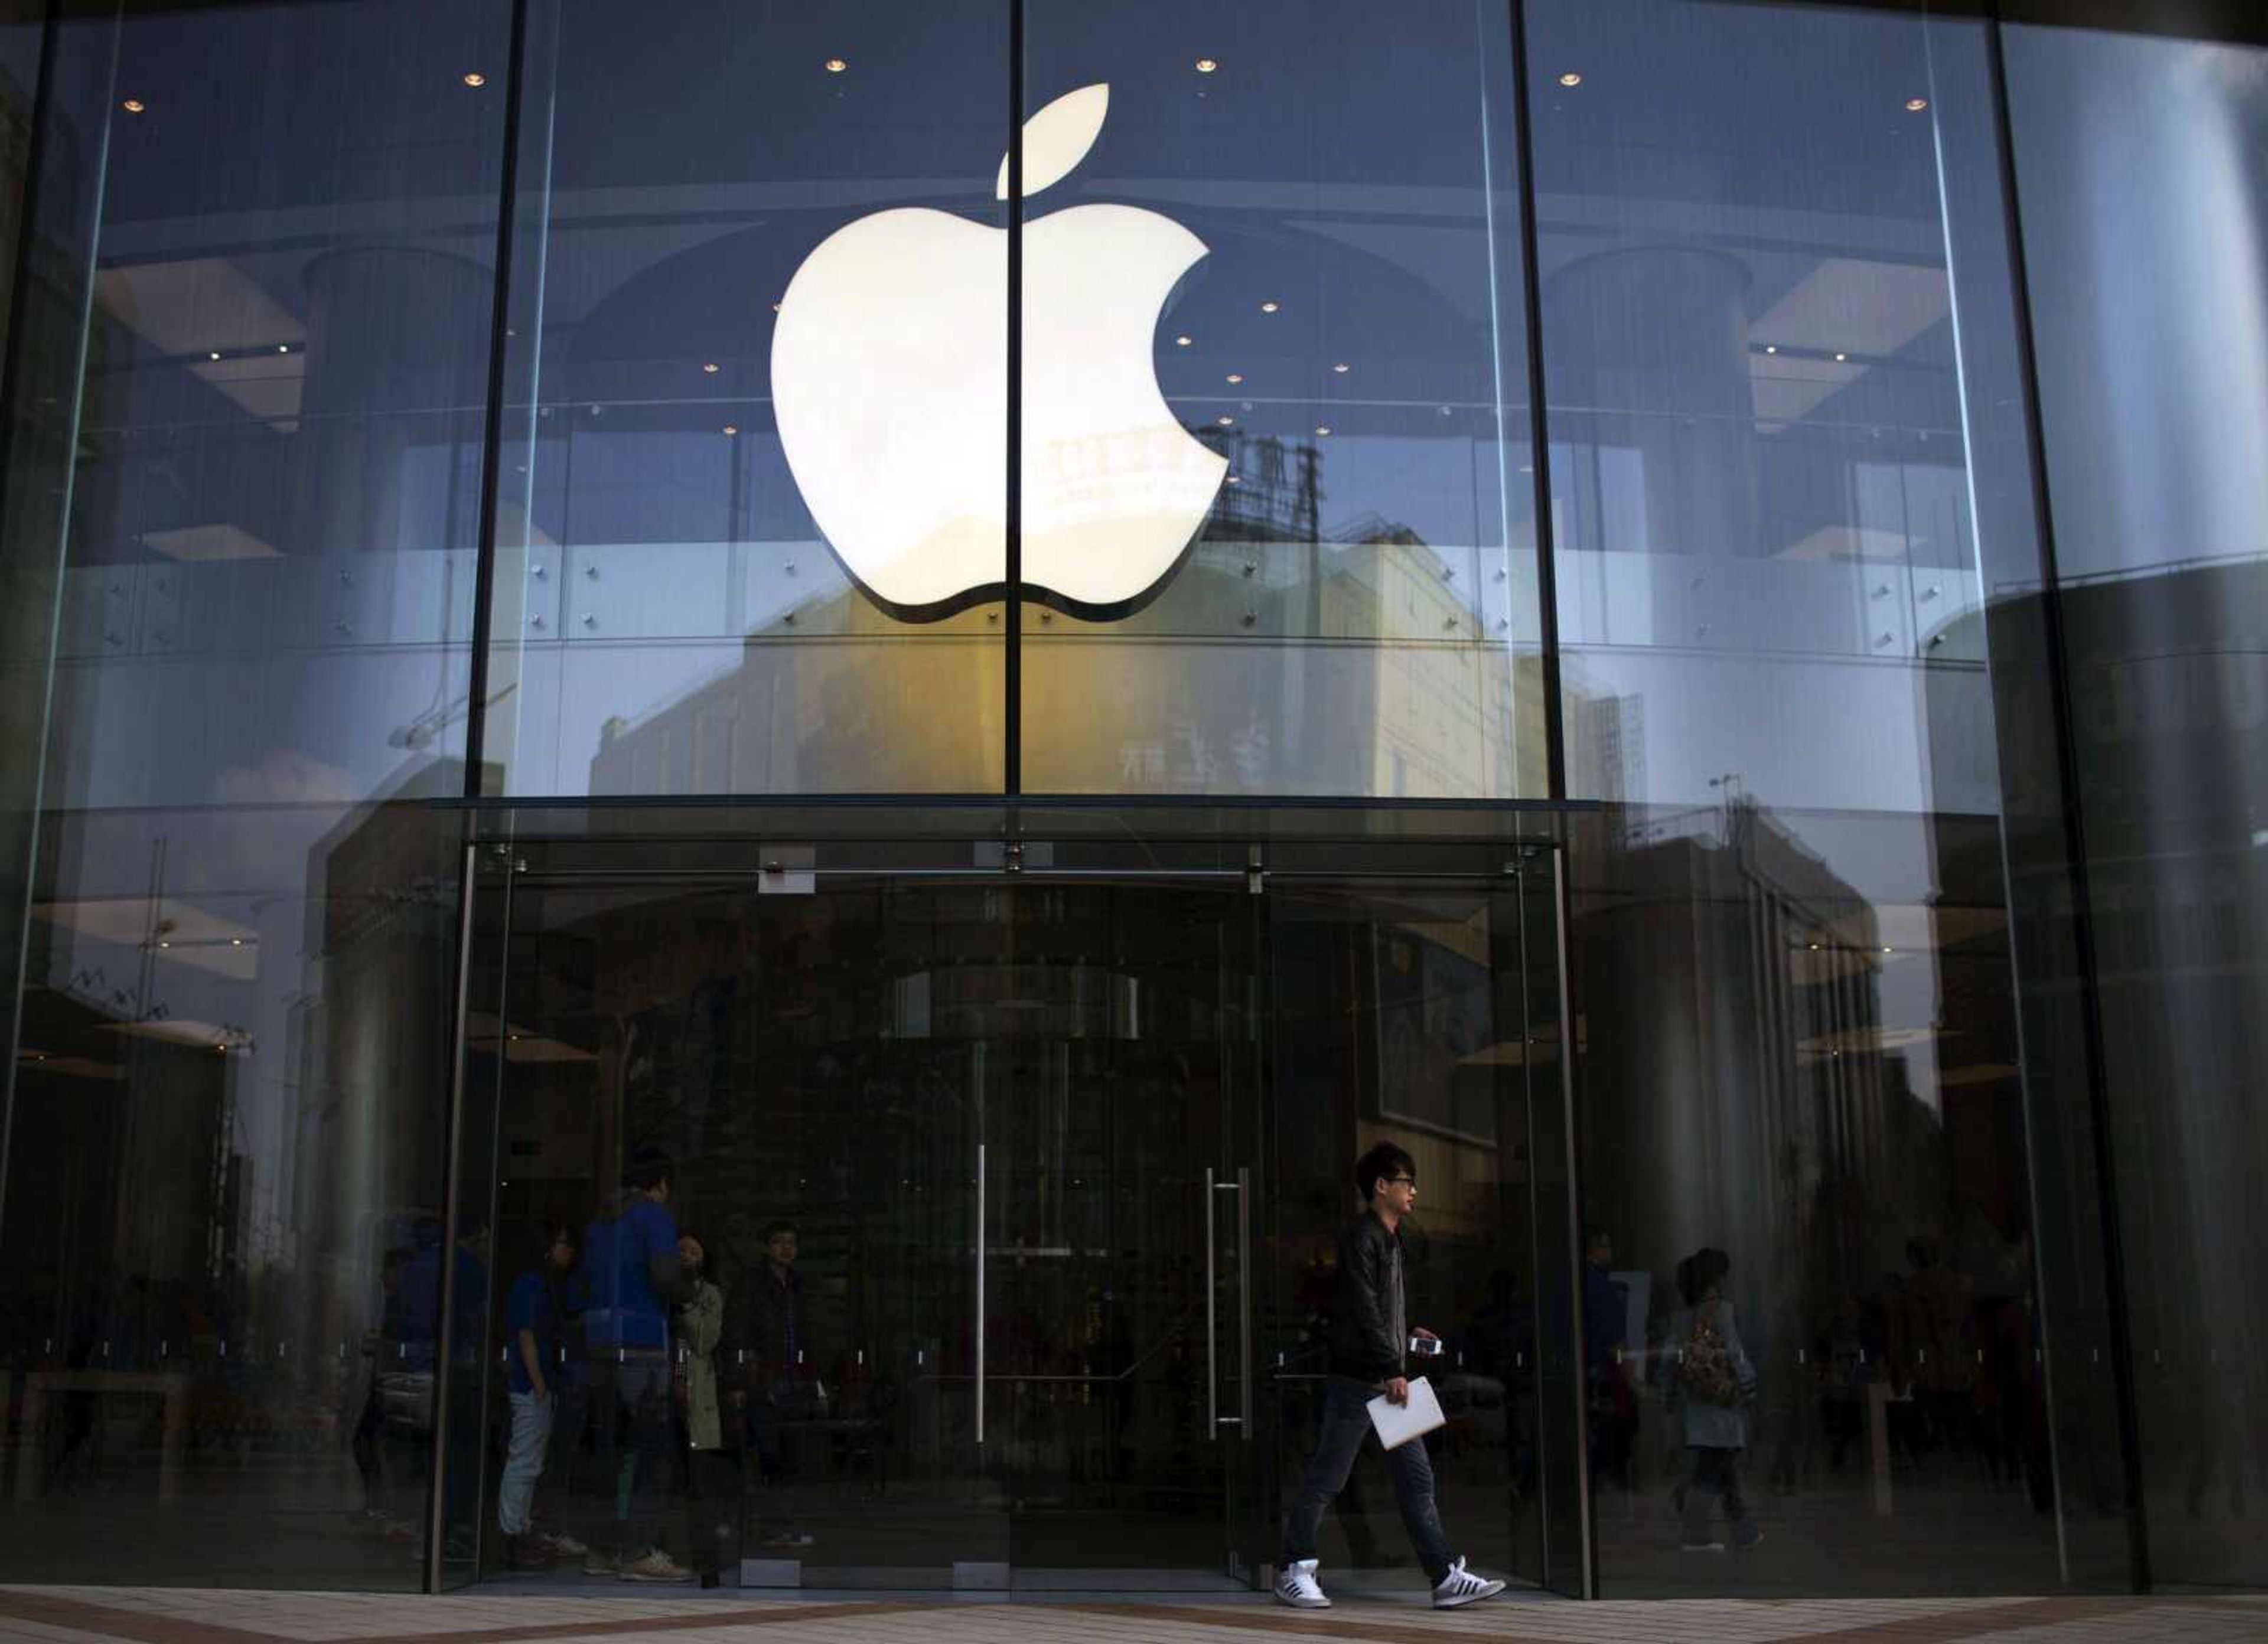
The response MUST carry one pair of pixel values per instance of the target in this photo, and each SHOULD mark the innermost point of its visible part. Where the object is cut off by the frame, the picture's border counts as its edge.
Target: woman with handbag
(1710, 1383)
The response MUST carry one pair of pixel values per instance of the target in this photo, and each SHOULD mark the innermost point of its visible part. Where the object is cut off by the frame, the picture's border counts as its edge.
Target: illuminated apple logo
(890, 385)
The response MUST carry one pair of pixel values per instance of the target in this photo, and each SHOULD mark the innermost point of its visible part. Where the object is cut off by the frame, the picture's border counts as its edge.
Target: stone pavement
(91, 1615)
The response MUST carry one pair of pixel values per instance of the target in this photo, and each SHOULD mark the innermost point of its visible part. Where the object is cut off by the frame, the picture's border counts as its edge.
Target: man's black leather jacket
(1362, 1340)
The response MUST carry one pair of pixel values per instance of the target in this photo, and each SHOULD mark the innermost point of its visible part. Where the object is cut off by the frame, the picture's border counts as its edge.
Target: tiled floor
(89, 1615)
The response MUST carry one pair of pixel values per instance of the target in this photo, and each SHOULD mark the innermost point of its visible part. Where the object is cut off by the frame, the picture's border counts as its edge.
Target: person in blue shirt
(534, 1313)
(630, 1279)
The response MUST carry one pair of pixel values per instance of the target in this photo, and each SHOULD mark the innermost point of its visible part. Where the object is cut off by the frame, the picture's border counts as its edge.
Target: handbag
(1705, 1367)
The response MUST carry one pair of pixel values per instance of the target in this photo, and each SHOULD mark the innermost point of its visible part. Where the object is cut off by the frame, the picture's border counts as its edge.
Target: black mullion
(492, 417)
(1013, 616)
(2090, 1002)
(1547, 580)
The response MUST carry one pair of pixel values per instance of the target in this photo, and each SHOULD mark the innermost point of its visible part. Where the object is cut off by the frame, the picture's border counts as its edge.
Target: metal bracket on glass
(787, 870)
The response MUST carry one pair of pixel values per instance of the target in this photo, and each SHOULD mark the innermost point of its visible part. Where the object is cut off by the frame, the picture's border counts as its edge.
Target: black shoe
(526, 1552)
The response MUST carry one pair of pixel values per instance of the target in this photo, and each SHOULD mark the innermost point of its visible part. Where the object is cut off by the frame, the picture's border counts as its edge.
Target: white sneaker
(1297, 1586)
(655, 1565)
(1461, 1585)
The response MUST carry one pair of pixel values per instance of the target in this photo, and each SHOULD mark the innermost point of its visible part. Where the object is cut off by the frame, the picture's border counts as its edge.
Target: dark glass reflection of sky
(1332, 161)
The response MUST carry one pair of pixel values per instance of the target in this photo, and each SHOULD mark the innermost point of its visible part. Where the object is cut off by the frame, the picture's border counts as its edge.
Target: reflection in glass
(1356, 612)
(691, 307)
(1765, 557)
(1802, 1052)
(261, 300)
(1766, 372)
(224, 1251)
(2153, 354)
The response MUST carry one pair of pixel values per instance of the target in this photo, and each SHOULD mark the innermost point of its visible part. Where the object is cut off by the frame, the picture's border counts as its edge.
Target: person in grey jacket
(1715, 1433)
(1370, 1333)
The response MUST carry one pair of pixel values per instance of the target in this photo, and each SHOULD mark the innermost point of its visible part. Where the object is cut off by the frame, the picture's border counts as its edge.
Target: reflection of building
(372, 1021)
(345, 558)
(1789, 1100)
(1369, 640)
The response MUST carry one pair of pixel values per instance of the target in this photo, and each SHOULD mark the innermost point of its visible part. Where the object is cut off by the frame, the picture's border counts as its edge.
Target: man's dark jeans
(1345, 1428)
(630, 1392)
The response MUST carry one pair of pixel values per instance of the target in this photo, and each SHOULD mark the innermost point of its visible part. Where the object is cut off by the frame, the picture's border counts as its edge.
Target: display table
(172, 1386)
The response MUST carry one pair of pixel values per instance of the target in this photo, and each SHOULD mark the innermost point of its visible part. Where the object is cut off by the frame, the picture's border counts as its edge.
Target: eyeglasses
(1401, 1181)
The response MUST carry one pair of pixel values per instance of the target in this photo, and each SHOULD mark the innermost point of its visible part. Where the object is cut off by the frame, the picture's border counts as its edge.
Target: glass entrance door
(1422, 1009)
(1120, 1149)
(1017, 1195)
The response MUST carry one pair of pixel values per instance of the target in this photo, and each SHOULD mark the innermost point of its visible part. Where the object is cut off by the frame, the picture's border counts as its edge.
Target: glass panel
(222, 1229)
(1400, 1017)
(1761, 506)
(1120, 1135)
(273, 524)
(1787, 459)
(248, 441)
(2153, 346)
(815, 1082)
(1797, 1049)
(736, 489)
(1309, 569)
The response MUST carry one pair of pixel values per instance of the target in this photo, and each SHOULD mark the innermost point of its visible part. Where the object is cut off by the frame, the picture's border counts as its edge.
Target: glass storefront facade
(1009, 631)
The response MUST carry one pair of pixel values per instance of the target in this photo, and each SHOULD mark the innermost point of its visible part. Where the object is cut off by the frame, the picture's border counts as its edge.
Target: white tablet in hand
(1398, 1424)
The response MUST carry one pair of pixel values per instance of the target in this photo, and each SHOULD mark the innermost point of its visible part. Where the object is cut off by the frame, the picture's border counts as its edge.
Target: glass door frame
(853, 847)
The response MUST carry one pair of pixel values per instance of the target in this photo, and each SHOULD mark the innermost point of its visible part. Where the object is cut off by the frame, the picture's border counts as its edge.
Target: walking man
(1370, 1336)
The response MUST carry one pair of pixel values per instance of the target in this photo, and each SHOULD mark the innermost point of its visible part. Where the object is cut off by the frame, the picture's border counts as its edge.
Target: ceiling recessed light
(1342, 367)
(1322, 430)
(1842, 356)
(1570, 79)
(134, 105)
(712, 368)
(1225, 421)
(1181, 342)
(215, 354)
(836, 65)
(731, 428)
(1233, 480)
(1236, 377)
(476, 79)
(1206, 65)
(1269, 306)
(282, 348)
(1915, 105)
(1772, 347)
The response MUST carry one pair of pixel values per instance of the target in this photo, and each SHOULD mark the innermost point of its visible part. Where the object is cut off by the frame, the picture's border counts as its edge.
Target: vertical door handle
(1212, 1323)
(980, 1293)
(1243, 1420)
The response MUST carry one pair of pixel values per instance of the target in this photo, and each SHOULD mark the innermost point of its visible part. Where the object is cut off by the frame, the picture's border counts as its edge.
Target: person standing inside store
(535, 1313)
(1370, 1338)
(632, 1276)
(776, 1389)
(1612, 1407)
(711, 1491)
(1710, 1381)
